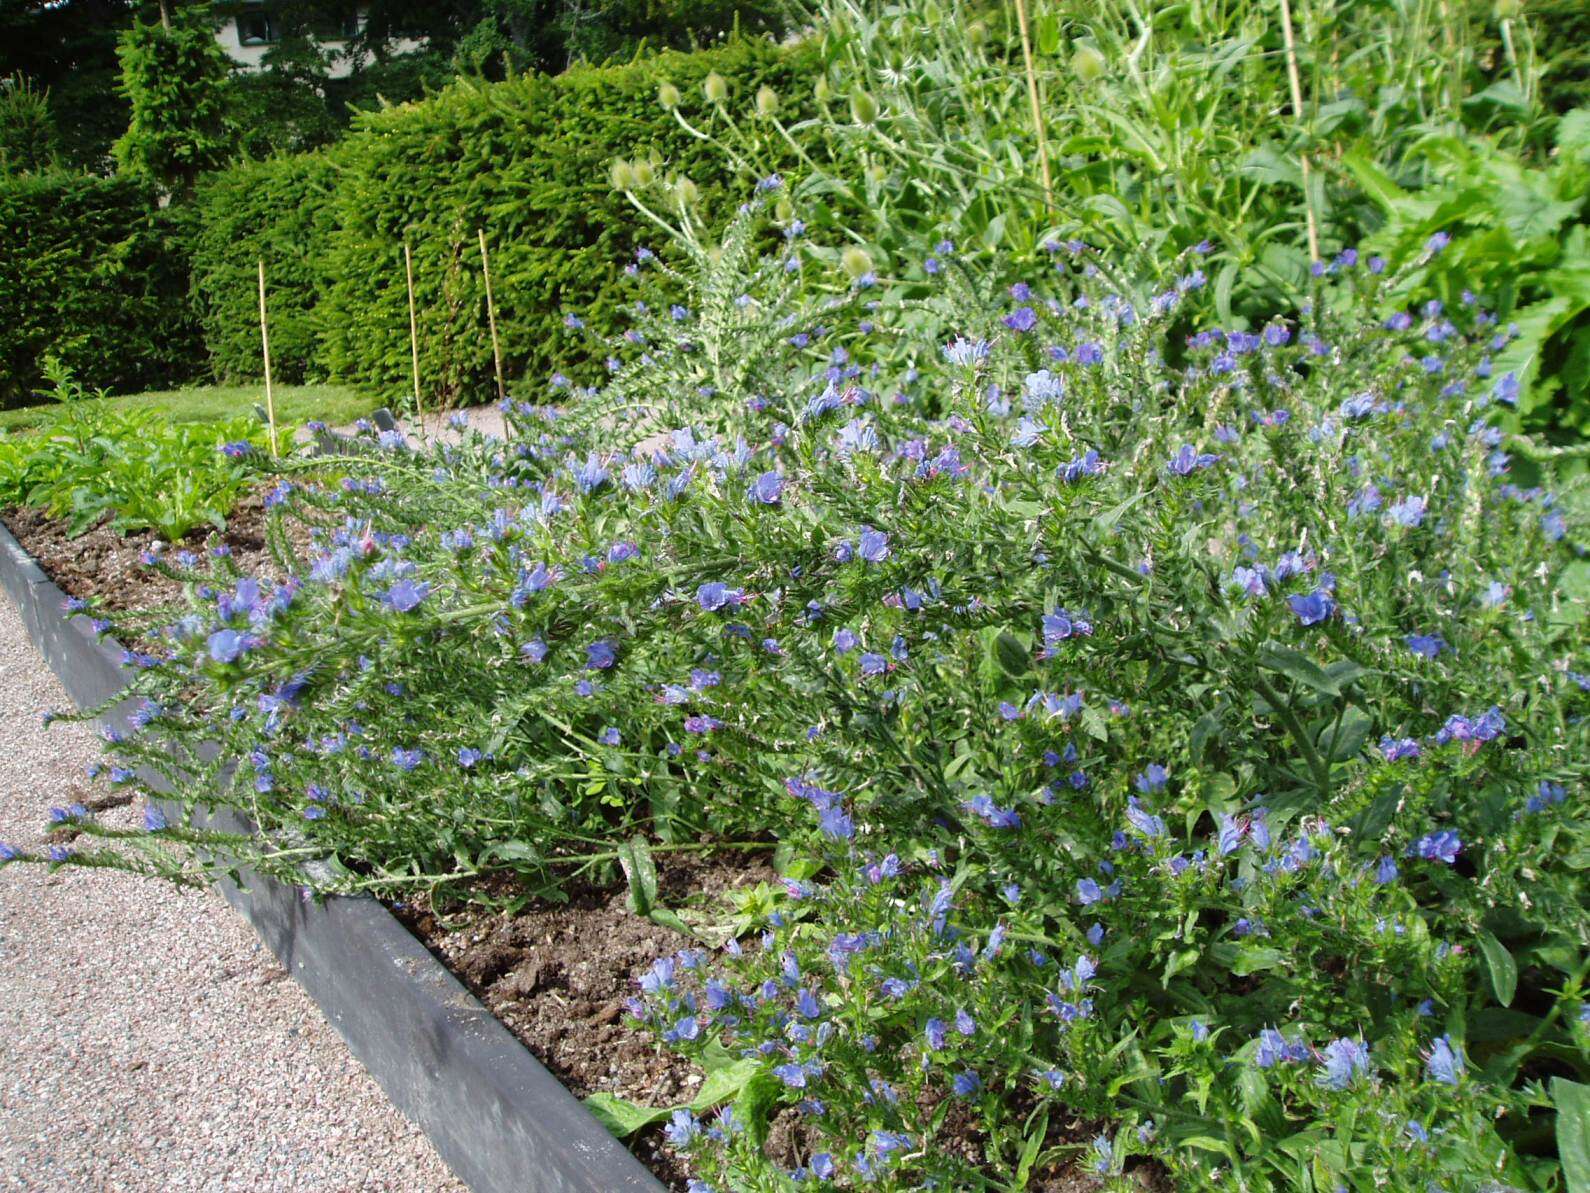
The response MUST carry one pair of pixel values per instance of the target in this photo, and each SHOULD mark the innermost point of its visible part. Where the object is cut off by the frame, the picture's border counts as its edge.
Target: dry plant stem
(265, 347)
(1297, 112)
(1037, 107)
(491, 314)
(414, 328)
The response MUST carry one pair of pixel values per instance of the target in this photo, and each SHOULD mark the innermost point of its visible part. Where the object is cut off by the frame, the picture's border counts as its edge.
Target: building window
(255, 29)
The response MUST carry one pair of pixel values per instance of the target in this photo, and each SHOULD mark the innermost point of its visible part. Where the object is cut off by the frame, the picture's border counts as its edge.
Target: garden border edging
(498, 1118)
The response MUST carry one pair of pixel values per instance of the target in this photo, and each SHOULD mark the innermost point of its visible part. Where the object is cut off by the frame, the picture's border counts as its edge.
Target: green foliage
(279, 211)
(94, 460)
(527, 160)
(175, 80)
(1196, 751)
(93, 274)
(1518, 233)
(27, 133)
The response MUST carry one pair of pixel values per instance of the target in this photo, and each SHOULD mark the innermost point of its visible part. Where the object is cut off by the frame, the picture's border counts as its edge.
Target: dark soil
(557, 974)
(105, 565)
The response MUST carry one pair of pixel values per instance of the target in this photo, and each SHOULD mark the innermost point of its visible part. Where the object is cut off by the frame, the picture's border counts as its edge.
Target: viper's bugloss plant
(1180, 737)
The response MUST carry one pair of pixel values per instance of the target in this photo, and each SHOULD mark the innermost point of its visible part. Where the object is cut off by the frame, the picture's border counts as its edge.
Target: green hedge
(279, 211)
(527, 160)
(93, 274)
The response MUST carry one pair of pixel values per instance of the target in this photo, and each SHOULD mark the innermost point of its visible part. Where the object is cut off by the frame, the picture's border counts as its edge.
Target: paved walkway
(148, 1041)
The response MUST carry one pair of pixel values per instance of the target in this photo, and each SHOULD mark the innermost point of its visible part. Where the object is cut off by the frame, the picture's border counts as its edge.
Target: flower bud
(643, 171)
(863, 108)
(821, 90)
(1506, 10)
(668, 95)
(686, 192)
(876, 174)
(622, 175)
(855, 261)
(1088, 64)
(766, 101)
(977, 33)
(716, 88)
(784, 210)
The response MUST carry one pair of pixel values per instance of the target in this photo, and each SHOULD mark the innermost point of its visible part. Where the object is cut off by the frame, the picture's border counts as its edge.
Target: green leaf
(641, 871)
(1573, 1132)
(620, 1116)
(1298, 667)
(1012, 655)
(754, 1107)
(1252, 959)
(724, 1083)
(1347, 739)
(1503, 969)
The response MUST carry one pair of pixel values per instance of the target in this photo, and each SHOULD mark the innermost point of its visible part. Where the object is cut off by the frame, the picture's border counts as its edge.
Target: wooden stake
(1297, 112)
(414, 329)
(1037, 108)
(265, 346)
(491, 314)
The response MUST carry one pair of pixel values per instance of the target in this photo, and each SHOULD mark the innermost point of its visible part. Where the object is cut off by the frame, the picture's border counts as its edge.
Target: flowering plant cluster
(1176, 733)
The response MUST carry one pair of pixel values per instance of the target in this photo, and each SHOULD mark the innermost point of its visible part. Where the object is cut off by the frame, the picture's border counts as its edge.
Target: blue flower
(1426, 646)
(1342, 1061)
(1445, 1063)
(1407, 512)
(600, 655)
(1314, 608)
(1442, 846)
(874, 545)
(405, 595)
(967, 353)
(1022, 319)
(227, 646)
(767, 489)
(714, 596)
(1188, 460)
(966, 1083)
(589, 476)
(1152, 779)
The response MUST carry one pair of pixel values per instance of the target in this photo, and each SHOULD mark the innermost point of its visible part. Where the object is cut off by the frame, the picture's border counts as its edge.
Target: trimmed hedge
(278, 211)
(93, 274)
(527, 160)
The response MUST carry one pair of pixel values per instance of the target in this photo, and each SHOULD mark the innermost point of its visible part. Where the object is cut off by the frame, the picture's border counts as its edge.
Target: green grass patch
(333, 404)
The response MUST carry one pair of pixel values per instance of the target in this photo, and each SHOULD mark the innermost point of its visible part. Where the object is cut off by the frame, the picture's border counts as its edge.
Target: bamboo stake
(414, 330)
(491, 314)
(265, 346)
(1037, 107)
(1297, 112)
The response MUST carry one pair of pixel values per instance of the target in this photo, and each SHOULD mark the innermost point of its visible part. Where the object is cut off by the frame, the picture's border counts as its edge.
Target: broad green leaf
(620, 1116)
(1573, 1132)
(724, 1083)
(1503, 969)
(641, 872)
(1298, 667)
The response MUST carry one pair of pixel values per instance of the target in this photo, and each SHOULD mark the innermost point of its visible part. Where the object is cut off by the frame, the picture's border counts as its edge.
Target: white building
(247, 29)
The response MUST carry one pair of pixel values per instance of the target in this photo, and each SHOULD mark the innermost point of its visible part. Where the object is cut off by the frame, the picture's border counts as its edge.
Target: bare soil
(558, 974)
(103, 564)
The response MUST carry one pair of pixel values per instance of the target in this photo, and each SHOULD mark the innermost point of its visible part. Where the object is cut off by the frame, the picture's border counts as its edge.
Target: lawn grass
(333, 404)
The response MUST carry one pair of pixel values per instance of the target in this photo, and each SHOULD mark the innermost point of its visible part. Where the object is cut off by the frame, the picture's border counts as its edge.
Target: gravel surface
(148, 1041)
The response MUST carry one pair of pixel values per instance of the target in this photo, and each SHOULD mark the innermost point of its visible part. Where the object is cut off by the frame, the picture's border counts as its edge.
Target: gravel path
(148, 1041)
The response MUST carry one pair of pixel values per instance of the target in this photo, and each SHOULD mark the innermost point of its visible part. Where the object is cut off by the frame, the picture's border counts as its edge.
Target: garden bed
(104, 564)
(495, 1115)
